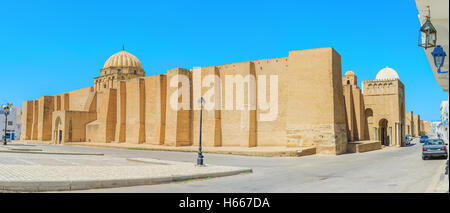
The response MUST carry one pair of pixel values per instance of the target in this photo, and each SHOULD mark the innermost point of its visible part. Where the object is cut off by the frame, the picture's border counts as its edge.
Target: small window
(348, 81)
(118, 70)
(10, 123)
(135, 72)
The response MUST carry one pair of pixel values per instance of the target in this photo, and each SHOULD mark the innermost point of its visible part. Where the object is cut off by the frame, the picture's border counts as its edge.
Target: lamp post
(427, 33)
(201, 102)
(439, 56)
(6, 109)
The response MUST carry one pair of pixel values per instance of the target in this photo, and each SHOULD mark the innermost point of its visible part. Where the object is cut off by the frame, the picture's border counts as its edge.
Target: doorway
(383, 134)
(58, 131)
(60, 137)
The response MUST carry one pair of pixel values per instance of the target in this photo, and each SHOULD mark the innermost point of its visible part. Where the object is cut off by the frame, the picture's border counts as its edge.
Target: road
(386, 170)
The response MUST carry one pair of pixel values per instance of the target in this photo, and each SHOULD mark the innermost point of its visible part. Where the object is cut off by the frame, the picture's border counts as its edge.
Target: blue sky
(51, 47)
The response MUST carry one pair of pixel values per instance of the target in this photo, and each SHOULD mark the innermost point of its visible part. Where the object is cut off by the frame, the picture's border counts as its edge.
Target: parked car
(434, 148)
(408, 140)
(423, 138)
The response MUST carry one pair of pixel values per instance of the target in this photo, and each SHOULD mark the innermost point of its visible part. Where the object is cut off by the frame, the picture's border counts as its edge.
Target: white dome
(387, 73)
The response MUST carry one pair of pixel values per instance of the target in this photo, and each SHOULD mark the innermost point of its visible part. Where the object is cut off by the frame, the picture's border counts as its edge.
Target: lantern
(427, 35)
(439, 56)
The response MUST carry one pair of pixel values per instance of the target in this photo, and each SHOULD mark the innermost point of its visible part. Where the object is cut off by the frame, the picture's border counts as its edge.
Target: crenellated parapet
(382, 86)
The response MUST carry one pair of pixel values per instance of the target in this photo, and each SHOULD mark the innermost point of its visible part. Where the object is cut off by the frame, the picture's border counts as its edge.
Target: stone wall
(363, 146)
(425, 127)
(27, 120)
(315, 109)
(45, 118)
(409, 123)
(417, 127)
(135, 111)
(103, 128)
(178, 117)
(155, 108)
(73, 125)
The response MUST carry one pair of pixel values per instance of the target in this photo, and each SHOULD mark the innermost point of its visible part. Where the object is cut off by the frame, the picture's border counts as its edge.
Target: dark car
(423, 138)
(434, 148)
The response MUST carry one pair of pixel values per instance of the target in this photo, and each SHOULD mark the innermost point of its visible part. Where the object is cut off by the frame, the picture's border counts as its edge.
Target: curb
(41, 186)
(291, 153)
(51, 153)
(158, 162)
(17, 144)
(25, 150)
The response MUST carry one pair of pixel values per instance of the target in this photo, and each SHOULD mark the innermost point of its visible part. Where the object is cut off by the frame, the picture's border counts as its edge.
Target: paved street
(55, 168)
(387, 170)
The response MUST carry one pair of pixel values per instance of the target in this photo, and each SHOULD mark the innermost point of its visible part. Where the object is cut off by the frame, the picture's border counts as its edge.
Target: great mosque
(314, 106)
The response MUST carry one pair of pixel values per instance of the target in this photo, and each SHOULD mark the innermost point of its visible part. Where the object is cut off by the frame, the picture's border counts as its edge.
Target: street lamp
(427, 34)
(6, 109)
(439, 56)
(201, 102)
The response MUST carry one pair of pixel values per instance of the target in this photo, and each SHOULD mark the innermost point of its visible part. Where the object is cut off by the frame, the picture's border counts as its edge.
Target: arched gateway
(382, 132)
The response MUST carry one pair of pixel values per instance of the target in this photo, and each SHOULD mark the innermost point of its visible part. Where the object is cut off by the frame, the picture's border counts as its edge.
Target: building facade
(435, 128)
(125, 106)
(384, 101)
(13, 124)
(301, 100)
(437, 11)
(444, 120)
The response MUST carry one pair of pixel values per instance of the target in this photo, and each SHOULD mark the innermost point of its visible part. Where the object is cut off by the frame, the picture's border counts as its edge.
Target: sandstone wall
(27, 120)
(103, 128)
(417, 127)
(34, 126)
(135, 110)
(238, 125)
(78, 98)
(120, 132)
(306, 87)
(352, 130)
(315, 109)
(74, 124)
(155, 108)
(178, 122)
(409, 123)
(45, 118)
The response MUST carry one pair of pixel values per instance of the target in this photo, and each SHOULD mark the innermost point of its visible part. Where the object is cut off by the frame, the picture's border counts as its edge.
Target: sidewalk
(440, 182)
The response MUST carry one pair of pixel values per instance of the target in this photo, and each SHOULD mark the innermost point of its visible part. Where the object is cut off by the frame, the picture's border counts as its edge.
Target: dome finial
(123, 47)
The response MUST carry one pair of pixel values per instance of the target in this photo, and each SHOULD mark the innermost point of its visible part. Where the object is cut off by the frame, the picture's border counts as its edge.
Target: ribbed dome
(122, 59)
(349, 73)
(387, 73)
